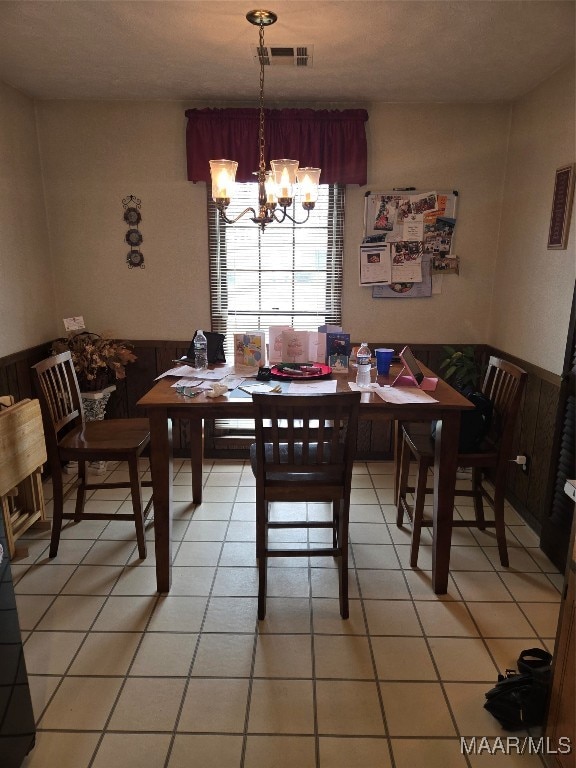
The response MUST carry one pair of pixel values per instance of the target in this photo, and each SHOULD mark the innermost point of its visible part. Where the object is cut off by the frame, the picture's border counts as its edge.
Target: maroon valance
(333, 140)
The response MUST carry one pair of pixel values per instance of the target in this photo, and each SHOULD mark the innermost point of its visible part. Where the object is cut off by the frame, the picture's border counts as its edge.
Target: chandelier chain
(262, 166)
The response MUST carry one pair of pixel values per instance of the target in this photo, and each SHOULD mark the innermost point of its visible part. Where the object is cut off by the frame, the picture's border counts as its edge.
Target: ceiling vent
(273, 56)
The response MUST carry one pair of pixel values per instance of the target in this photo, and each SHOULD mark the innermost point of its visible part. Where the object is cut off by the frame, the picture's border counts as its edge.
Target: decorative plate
(296, 372)
(132, 216)
(135, 258)
(134, 237)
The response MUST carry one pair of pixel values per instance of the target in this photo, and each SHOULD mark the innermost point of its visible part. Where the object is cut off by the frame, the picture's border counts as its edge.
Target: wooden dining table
(163, 404)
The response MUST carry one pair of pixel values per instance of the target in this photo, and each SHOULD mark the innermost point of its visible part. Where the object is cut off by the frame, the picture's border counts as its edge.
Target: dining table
(164, 404)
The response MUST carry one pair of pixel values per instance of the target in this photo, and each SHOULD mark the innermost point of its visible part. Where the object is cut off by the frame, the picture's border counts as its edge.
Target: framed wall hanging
(561, 208)
(133, 217)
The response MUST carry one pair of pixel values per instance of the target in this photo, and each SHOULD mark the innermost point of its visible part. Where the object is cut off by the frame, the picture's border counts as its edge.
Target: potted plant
(98, 361)
(461, 367)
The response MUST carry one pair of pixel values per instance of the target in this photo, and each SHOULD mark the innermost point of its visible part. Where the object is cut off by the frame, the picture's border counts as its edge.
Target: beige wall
(26, 285)
(533, 285)
(512, 292)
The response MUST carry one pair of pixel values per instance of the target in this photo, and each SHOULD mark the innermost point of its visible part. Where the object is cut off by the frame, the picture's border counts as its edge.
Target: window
(288, 275)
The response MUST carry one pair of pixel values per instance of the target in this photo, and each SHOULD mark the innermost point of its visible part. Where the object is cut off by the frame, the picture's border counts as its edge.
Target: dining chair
(304, 452)
(69, 437)
(503, 385)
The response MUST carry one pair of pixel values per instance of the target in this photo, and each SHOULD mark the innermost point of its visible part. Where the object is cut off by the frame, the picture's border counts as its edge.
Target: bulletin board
(408, 237)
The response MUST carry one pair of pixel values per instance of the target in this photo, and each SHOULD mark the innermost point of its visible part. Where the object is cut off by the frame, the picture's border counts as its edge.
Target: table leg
(196, 455)
(445, 465)
(397, 455)
(161, 472)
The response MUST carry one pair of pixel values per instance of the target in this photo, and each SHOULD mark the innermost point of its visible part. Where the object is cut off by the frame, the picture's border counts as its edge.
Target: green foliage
(460, 366)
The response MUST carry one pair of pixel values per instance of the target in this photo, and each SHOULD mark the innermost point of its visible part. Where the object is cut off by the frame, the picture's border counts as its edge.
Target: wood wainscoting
(537, 435)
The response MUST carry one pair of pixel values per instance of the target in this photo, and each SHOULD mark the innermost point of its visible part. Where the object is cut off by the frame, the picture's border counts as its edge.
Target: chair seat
(423, 446)
(110, 436)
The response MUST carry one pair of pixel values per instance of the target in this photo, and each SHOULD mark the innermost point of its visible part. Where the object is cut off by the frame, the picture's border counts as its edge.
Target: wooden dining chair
(69, 437)
(503, 385)
(304, 451)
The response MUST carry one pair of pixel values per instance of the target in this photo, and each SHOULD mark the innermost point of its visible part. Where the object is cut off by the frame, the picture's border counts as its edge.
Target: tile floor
(122, 677)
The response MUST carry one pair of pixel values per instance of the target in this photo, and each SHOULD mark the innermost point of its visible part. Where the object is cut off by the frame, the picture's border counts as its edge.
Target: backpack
(474, 425)
(518, 700)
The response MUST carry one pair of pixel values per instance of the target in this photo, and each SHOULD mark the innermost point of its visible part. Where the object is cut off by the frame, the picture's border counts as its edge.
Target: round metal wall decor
(133, 217)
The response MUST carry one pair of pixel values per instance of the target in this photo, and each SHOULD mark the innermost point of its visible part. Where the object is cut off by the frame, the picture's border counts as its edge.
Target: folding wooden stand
(22, 453)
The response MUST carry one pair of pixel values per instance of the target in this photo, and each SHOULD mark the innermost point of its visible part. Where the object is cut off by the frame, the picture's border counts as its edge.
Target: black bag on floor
(518, 700)
(474, 425)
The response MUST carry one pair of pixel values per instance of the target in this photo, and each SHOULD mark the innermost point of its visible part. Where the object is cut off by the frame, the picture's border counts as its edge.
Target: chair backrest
(306, 438)
(58, 393)
(504, 385)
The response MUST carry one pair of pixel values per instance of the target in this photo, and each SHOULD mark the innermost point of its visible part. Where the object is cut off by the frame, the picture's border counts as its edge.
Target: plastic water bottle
(200, 351)
(363, 359)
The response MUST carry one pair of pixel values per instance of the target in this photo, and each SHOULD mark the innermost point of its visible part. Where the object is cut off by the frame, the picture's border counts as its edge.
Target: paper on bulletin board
(410, 215)
(375, 264)
(399, 289)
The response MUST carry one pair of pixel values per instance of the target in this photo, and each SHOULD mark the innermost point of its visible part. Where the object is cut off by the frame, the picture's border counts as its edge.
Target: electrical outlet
(525, 466)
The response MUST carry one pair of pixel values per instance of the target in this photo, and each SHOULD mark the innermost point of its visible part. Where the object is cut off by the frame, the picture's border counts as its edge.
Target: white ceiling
(364, 51)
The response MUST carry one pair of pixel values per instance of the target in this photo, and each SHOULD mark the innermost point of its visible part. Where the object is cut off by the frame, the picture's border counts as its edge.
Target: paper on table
(312, 387)
(187, 372)
(404, 395)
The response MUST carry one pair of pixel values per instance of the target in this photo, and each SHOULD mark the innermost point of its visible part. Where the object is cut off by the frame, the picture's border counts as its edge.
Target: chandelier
(276, 187)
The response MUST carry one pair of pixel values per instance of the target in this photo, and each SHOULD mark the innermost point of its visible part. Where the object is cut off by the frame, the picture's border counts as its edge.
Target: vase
(94, 404)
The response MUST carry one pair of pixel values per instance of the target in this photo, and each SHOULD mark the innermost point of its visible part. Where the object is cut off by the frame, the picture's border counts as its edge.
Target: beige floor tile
(236, 582)
(283, 656)
(92, 580)
(383, 585)
(281, 706)
(240, 530)
(214, 705)
(41, 689)
(62, 750)
(246, 493)
(192, 580)
(136, 580)
(174, 613)
(348, 752)
(223, 479)
(87, 529)
(481, 586)
(286, 614)
(69, 551)
(348, 708)
(43, 579)
(106, 653)
(416, 709)
(500, 620)
(195, 553)
(109, 553)
(244, 511)
(231, 614)
(132, 750)
(506, 651)
(542, 616)
(280, 752)
(206, 530)
(50, 653)
(392, 617)
(366, 513)
(327, 619)
(81, 704)
(385, 495)
(199, 751)
(420, 586)
(459, 658)
(125, 614)
(403, 658)
(369, 533)
(519, 560)
(164, 654)
(448, 619)
(375, 556)
(343, 656)
(224, 655)
(238, 553)
(213, 510)
(31, 609)
(287, 582)
(433, 753)
(466, 702)
(534, 587)
(148, 704)
(71, 612)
